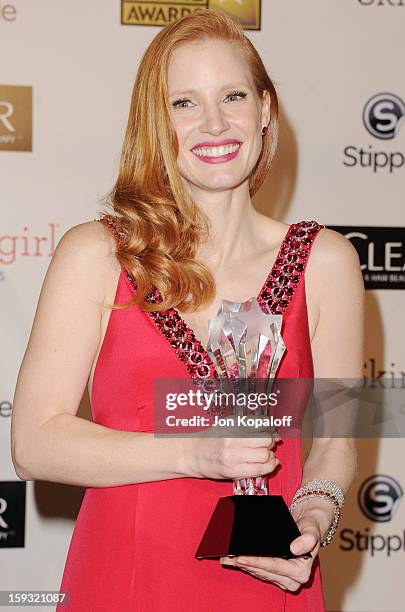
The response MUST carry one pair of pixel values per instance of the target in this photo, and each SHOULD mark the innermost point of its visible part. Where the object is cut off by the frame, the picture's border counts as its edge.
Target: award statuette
(246, 347)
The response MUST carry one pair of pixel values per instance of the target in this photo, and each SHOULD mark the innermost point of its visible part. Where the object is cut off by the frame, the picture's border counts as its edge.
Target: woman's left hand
(288, 574)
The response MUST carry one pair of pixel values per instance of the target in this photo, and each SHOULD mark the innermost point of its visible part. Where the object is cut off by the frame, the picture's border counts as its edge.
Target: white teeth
(216, 151)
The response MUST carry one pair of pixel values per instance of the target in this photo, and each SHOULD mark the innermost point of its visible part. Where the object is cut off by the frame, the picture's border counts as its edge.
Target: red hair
(160, 225)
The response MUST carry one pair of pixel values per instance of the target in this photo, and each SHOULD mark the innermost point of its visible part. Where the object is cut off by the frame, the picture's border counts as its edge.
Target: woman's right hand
(232, 458)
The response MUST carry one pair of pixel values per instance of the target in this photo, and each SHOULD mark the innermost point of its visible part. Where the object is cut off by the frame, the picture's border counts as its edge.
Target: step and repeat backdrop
(66, 74)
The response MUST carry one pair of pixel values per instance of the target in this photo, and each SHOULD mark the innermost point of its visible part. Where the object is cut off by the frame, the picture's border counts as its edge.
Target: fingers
(263, 441)
(257, 455)
(307, 541)
(250, 470)
(255, 436)
(268, 568)
(283, 582)
(237, 458)
(251, 441)
(297, 569)
(245, 461)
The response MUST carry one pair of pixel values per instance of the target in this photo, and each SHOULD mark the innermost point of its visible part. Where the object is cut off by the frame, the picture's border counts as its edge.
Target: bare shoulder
(91, 242)
(91, 237)
(333, 264)
(333, 251)
(85, 259)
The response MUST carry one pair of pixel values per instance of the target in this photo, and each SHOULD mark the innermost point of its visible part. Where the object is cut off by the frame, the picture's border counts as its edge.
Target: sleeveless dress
(133, 546)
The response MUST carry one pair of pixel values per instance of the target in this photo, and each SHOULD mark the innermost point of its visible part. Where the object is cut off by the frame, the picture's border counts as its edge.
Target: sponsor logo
(382, 254)
(383, 116)
(28, 244)
(12, 514)
(15, 118)
(382, 2)
(361, 157)
(5, 408)
(379, 497)
(150, 12)
(374, 376)
(8, 12)
(371, 543)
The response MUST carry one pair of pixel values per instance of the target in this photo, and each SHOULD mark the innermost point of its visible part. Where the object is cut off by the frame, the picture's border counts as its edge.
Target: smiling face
(217, 114)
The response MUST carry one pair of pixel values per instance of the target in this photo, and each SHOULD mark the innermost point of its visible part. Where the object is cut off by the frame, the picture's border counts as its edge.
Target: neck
(234, 225)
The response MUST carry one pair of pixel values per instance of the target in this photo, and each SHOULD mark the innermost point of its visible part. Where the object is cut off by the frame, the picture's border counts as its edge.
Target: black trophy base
(254, 525)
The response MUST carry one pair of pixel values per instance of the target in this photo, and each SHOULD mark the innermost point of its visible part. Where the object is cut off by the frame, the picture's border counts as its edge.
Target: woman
(184, 235)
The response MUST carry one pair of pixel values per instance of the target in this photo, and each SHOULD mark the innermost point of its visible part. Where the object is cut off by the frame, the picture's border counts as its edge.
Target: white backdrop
(327, 59)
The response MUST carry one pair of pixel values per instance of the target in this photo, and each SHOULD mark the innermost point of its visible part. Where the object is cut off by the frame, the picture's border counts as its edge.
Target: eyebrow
(194, 91)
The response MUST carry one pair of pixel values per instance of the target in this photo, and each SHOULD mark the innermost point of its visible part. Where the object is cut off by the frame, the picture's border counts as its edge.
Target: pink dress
(133, 546)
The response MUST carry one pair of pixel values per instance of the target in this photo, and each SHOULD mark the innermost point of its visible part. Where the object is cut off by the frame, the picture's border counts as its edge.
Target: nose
(213, 121)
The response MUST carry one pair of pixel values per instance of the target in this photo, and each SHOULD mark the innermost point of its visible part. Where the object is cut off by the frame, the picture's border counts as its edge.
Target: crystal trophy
(246, 347)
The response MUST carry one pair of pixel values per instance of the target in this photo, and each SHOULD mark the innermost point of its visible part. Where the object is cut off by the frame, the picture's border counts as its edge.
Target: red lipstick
(218, 143)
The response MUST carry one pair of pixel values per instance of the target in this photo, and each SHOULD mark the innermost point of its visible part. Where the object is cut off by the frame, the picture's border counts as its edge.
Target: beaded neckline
(274, 296)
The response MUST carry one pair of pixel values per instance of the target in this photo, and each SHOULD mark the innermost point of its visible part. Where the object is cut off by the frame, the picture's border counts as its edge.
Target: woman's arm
(49, 442)
(335, 284)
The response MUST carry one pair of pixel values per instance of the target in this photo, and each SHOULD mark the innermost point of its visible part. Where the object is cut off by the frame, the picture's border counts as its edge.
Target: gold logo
(15, 118)
(136, 12)
(246, 11)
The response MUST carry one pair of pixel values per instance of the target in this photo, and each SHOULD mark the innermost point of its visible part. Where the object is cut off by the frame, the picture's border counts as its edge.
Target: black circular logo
(379, 497)
(383, 115)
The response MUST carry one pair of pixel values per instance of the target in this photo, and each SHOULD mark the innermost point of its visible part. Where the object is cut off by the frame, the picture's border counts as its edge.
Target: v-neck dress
(133, 546)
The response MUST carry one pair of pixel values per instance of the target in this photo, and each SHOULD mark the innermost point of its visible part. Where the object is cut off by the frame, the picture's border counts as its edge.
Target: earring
(264, 130)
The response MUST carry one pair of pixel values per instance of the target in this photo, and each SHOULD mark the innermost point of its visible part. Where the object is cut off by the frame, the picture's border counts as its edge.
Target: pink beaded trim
(280, 285)
(169, 322)
(275, 295)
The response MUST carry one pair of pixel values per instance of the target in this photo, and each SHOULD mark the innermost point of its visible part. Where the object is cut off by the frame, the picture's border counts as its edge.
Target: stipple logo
(382, 2)
(383, 115)
(379, 497)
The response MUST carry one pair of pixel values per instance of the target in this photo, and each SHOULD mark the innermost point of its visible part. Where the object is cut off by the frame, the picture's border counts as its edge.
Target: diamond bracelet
(328, 490)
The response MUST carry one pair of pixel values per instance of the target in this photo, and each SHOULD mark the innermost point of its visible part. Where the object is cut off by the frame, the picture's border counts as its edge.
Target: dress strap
(285, 275)
(289, 267)
(112, 224)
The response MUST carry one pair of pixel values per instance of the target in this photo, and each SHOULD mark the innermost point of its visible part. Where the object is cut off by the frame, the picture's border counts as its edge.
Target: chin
(219, 185)
(217, 182)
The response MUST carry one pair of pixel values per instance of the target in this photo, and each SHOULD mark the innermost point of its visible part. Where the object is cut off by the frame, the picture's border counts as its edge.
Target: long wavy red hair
(159, 223)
